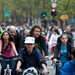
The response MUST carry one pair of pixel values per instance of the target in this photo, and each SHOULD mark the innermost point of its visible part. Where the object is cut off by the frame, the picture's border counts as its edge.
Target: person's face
(25, 32)
(57, 27)
(12, 32)
(5, 36)
(36, 32)
(29, 46)
(54, 32)
(3, 27)
(64, 39)
(18, 26)
(27, 24)
(68, 29)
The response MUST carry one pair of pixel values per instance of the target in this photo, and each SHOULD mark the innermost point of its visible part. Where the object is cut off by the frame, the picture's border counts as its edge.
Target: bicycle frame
(7, 71)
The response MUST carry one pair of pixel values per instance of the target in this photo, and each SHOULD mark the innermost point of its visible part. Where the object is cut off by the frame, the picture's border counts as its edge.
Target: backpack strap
(5, 48)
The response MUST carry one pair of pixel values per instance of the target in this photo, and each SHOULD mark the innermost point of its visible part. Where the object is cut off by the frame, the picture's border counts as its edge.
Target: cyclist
(69, 67)
(28, 26)
(70, 35)
(18, 39)
(9, 51)
(63, 49)
(2, 28)
(53, 39)
(19, 29)
(30, 56)
(49, 33)
(40, 41)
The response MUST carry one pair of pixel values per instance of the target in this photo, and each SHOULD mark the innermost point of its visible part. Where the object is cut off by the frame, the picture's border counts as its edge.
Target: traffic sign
(54, 5)
(7, 12)
(64, 17)
(54, 1)
(72, 20)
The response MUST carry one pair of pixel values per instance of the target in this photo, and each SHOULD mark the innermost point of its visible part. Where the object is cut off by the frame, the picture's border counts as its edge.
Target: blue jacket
(68, 68)
(33, 60)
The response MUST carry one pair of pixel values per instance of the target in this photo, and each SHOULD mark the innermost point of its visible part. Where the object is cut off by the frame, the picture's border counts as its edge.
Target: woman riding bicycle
(8, 51)
(63, 50)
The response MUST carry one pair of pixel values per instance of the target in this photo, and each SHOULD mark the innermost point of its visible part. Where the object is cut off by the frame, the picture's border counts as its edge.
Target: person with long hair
(40, 41)
(53, 39)
(50, 32)
(9, 52)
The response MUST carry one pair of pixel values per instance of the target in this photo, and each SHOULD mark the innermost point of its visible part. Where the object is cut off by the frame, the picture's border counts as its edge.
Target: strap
(6, 47)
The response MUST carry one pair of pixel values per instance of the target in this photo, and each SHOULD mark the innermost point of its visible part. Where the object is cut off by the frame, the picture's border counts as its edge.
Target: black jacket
(41, 44)
(18, 41)
(33, 60)
(57, 50)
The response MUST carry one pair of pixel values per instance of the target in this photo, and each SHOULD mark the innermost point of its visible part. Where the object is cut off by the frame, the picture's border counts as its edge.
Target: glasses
(29, 44)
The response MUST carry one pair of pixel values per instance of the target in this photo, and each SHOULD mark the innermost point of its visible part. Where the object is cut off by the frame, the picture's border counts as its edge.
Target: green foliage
(23, 8)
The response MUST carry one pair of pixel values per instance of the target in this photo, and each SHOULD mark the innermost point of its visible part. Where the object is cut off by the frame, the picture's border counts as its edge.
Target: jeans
(58, 67)
(12, 65)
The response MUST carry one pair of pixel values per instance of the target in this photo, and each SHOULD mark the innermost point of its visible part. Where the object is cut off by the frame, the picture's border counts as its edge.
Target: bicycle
(7, 71)
(31, 71)
(57, 65)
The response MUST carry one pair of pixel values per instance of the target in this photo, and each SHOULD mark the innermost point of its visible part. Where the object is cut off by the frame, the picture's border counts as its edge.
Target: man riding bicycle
(31, 57)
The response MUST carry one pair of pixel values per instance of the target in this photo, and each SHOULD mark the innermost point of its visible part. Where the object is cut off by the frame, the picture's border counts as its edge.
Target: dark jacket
(57, 50)
(18, 41)
(33, 60)
(41, 44)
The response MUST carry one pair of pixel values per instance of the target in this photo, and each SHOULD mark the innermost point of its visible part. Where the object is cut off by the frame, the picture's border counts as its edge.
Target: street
(50, 68)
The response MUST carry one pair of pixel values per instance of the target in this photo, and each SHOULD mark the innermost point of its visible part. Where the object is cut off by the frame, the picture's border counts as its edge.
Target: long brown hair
(10, 39)
(33, 28)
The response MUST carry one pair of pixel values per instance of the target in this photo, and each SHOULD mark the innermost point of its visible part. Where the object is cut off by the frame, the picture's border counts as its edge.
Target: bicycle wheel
(6, 74)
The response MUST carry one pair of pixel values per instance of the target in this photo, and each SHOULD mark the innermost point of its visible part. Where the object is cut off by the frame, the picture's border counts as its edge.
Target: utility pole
(53, 12)
(43, 15)
(43, 5)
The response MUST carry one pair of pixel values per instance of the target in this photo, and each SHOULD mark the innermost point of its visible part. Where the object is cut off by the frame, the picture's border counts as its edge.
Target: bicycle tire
(7, 74)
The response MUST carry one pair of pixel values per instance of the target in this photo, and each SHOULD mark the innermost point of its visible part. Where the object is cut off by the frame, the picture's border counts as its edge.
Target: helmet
(3, 24)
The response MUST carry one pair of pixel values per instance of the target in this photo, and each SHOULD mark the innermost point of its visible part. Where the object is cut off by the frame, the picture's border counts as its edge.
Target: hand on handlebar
(46, 57)
(55, 60)
(45, 72)
(18, 70)
(0, 54)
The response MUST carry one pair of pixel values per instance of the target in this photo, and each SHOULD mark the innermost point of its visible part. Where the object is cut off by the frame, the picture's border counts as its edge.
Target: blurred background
(22, 11)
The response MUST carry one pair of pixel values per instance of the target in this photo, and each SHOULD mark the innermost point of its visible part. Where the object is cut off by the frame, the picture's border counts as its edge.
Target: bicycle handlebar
(13, 59)
(26, 71)
(59, 62)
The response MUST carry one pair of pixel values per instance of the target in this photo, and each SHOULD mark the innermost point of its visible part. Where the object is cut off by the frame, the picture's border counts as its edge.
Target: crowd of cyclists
(32, 45)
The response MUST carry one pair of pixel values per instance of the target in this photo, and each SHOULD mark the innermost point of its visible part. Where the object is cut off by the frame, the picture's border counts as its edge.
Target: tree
(22, 8)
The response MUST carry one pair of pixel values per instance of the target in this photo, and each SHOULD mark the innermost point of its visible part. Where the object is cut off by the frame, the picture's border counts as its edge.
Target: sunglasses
(29, 44)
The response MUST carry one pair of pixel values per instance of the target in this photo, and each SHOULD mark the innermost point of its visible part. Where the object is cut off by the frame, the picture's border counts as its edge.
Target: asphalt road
(50, 68)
